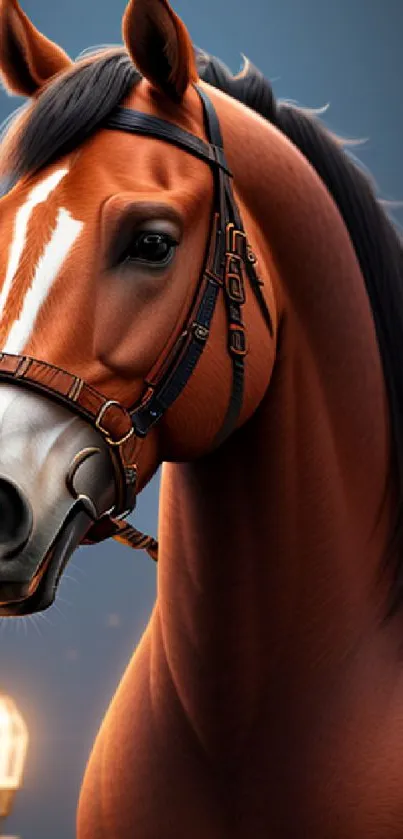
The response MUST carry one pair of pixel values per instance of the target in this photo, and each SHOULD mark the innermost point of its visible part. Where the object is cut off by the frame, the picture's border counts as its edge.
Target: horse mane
(76, 103)
(68, 110)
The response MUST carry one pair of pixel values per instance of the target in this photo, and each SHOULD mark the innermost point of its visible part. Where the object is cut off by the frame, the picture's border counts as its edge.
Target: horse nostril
(15, 519)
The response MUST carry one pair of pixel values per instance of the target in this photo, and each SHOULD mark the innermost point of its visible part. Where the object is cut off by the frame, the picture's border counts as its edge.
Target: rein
(229, 261)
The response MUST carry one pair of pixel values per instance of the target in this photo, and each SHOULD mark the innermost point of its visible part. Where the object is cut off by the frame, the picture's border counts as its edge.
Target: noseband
(228, 262)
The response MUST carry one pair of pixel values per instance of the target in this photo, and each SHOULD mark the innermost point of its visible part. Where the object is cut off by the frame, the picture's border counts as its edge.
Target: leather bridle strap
(106, 415)
(110, 418)
(136, 122)
(126, 534)
(233, 269)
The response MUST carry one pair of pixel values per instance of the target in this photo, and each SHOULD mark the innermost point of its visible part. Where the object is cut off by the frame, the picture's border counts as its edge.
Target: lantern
(13, 749)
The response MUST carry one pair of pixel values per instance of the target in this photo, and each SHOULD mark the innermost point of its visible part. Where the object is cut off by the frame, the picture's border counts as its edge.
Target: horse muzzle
(56, 479)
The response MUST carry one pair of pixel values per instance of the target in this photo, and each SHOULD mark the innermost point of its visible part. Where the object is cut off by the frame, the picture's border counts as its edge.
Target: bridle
(228, 262)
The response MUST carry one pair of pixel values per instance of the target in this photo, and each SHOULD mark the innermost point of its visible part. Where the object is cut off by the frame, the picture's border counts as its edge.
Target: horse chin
(40, 593)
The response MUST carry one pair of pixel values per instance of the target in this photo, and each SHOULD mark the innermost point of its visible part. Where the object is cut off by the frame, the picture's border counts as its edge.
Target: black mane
(75, 105)
(69, 110)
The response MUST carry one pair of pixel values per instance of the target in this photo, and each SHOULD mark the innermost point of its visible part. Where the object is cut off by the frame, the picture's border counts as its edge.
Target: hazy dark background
(63, 668)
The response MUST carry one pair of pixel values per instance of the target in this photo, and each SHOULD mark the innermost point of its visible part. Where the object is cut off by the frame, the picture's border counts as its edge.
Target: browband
(135, 122)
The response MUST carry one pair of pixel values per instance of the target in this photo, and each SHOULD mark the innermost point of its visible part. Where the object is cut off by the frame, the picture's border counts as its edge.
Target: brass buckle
(99, 426)
(234, 281)
(237, 343)
(233, 236)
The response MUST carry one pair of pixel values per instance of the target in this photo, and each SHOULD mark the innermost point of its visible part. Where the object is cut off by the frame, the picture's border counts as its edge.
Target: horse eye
(152, 248)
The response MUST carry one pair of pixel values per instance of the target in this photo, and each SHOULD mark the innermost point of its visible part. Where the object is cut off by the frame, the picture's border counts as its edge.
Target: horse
(196, 275)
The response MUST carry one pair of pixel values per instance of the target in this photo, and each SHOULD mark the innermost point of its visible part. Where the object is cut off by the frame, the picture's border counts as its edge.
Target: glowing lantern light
(13, 749)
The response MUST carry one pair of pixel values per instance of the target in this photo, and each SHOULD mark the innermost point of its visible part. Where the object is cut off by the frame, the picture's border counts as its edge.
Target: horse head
(134, 327)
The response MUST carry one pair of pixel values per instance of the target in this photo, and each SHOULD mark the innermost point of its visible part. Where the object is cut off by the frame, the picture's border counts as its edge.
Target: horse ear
(27, 59)
(160, 46)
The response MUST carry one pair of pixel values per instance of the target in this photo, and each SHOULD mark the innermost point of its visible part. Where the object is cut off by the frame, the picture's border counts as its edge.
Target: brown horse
(139, 324)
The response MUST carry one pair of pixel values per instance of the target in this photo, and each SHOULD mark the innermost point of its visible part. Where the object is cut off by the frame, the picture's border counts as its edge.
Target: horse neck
(271, 546)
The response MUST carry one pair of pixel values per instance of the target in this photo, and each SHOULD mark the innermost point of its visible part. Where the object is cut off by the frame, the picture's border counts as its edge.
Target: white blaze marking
(38, 195)
(63, 237)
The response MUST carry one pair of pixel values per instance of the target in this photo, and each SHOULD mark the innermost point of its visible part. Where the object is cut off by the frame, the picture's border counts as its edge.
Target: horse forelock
(68, 110)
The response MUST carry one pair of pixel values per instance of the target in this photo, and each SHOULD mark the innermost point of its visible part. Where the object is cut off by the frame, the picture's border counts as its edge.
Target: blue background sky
(63, 668)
